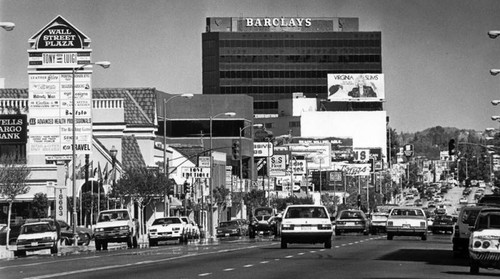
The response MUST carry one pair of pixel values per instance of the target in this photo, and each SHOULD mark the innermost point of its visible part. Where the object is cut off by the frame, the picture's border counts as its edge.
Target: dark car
(352, 220)
(236, 227)
(489, 200)
(84, 234)
(259, 222)
(443, 223)
(15, 230)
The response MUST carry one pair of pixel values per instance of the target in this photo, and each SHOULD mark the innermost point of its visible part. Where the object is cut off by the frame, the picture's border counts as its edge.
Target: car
(418, 202)
(490, 199)
(431, 204)
(193, 230)
(352, 220)
(37, 236)
(461, 232)
(378, 222)
(85, 235)
(463, 200)
(484, 241)
(259, 222)
(306, 224)
(115, 225)
(275, 223)
(167, 228)
(236, 227)
(443, 223)
(407, 221)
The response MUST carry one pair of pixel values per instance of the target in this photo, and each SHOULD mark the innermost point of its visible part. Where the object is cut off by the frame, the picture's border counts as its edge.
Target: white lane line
(337, 246)
(322, 250)
(343, 244)
(248, 265)
(300, 254)
(204, 274)
(228, 269)
(350, 243)
(287, 257)
(264, 262)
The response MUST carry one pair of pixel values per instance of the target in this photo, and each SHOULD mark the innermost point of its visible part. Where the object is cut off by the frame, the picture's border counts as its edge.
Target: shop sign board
(50, 116)
(13, 129)
(278, 165)
(262, 149)
(195, 172)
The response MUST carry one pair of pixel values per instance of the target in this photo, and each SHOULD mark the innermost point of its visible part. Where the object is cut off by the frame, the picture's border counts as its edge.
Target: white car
(306, 224)
(167, 228)
(37, 236)
(407, 221)
(463, 200)
(484, 241)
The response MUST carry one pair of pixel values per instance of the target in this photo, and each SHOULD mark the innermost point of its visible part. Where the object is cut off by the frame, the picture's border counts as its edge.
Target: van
(461, 232)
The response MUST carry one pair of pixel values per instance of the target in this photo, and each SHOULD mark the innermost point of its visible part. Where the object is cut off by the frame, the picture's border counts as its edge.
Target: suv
(306, 224)
(485, 240)
(465, 223)
(37, 236)
(115, 225)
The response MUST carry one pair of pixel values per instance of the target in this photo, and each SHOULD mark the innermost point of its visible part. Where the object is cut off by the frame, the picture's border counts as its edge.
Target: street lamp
(9, 26)
(210, 206)
(105, 65)
(493, 34)
(258, 126)
(165, 101)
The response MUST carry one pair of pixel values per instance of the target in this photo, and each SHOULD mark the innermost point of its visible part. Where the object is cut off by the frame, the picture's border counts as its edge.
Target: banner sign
(356, 87)
(341, 148)
(13, 129)
(51, 113)
(352, 169)
(194, 172)
(262, 149)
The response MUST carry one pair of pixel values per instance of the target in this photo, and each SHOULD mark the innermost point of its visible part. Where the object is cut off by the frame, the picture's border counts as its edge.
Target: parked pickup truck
(115, 225)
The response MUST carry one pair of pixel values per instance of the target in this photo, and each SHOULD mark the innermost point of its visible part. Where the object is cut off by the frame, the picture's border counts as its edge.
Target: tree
(255, 198)
(40, 205)
(220, 195)
(13, 178)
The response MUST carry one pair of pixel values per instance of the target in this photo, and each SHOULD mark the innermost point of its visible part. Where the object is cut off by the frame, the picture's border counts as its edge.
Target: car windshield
(115, 215)
(228, 224)
(469, 216)
(351, 215)
(167, 221)
(488, 221)
(407, 212)
(306, 212)
(38, 228)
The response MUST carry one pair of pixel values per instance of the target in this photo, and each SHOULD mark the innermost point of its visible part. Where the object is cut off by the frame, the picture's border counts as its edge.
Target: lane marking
(264, 262)
(248, 265)
(204, 274)
(228, 269)
(287, 257)
(300, 254)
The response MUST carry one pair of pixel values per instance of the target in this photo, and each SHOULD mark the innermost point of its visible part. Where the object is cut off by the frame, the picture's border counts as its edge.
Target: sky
(436, 54)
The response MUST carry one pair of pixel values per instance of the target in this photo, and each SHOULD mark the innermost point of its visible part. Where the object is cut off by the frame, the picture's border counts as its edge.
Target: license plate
(226, 234)
(349, 224)
(34, 243)
(306, 228)
(406, 226)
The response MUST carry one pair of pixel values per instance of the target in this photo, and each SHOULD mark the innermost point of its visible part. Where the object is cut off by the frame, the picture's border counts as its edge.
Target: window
(294, 124)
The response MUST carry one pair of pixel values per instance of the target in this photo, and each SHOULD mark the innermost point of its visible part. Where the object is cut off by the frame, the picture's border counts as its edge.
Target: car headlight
(486, 244)
(124, 228)
(477, 244)
(99, 229)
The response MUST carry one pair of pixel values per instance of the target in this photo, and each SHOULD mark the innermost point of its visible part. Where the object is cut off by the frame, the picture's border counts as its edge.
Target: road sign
(408, 150)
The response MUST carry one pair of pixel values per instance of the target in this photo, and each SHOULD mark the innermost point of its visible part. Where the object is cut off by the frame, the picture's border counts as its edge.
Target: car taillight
(359, 222)
(477, 244)
(340, 223)
(287, 227)
(324, 227)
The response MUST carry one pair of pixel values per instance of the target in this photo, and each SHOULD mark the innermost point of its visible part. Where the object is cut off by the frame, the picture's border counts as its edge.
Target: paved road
(352, 256)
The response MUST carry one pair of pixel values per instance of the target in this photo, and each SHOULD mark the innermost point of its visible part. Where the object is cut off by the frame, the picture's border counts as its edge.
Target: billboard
(356, 87)
(13, 128)
(341, 148)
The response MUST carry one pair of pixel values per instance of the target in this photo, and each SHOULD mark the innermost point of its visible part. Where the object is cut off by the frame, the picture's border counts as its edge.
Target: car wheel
(424, 237)
(390, 236)
(328, 244)
(54, 249)
(20, 253)
(98, 245)
(129, 242)
(105, 245)
(283, 243)
(251, 233)
(474, 268)
(153, 243)
(134, 242)
(87, 241)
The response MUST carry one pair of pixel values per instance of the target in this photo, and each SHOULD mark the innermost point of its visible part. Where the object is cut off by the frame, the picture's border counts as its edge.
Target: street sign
(204, 161)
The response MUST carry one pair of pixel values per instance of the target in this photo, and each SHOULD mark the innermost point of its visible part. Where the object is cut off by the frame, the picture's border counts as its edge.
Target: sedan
(232, 228)
(352, 220)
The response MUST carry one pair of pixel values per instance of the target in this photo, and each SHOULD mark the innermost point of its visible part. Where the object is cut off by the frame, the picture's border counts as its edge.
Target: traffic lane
(60, 265)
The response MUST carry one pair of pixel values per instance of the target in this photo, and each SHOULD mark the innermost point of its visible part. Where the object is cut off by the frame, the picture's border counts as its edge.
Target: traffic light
(236, 151)
(451, 147)
(187, 188)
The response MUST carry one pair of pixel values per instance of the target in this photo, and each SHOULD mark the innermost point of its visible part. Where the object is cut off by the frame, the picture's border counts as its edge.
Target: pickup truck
(115, 225)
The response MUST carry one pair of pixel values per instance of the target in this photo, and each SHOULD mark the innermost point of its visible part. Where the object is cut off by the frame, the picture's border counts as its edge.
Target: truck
(115, 225)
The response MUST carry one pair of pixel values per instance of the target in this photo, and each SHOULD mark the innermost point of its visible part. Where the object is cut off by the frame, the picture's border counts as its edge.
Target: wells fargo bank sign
(13, 129)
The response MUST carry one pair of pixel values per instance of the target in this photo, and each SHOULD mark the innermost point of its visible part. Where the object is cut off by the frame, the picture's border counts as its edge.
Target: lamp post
(9, 26)
(165, 165)
(104, 64)
(241, 162)
(210, 206)
(113, 153)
